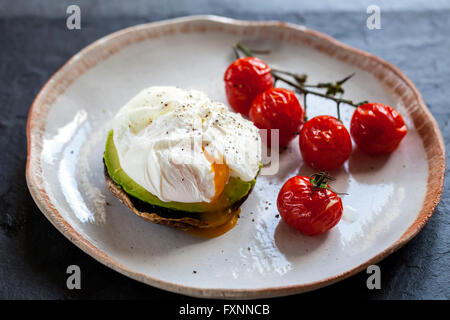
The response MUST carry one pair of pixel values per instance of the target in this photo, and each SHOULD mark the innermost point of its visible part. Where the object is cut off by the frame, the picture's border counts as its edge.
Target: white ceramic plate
(389, 199)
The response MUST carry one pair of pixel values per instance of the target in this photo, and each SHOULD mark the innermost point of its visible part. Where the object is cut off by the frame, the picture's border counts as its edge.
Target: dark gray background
(34, 43)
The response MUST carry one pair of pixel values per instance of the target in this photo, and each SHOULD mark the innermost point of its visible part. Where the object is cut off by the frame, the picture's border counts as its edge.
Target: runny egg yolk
(223, 220)
(221, 174)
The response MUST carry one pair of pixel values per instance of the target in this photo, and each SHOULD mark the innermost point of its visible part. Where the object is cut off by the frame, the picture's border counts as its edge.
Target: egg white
(166, 137)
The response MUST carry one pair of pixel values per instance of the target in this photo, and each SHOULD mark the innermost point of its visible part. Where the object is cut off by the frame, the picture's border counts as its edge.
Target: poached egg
(181, 146)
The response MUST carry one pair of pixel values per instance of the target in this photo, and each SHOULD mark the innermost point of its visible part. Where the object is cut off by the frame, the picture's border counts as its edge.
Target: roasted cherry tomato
(244, 79)
(310, 208)
(278, 108)
(377, 129)
(325, 143)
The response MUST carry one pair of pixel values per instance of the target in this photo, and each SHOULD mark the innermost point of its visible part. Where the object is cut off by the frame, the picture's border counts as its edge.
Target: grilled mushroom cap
(173, 218)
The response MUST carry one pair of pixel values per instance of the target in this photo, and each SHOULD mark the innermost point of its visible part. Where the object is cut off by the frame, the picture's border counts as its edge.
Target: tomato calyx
(320, 181)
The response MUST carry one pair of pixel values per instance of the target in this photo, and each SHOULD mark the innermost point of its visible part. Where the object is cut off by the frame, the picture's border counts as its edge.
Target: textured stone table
(34, 43)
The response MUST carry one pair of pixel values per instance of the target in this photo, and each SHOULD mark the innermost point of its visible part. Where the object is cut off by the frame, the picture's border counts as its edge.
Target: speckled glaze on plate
(389, 198)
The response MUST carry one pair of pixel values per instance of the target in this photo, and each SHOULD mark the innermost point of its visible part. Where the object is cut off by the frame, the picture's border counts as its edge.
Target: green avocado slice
(234, 190)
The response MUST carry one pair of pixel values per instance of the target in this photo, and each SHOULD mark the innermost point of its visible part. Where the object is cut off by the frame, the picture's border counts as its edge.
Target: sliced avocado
(233, 192)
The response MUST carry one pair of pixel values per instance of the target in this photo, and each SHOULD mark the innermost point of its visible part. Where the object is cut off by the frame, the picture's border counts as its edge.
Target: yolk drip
(214, 232)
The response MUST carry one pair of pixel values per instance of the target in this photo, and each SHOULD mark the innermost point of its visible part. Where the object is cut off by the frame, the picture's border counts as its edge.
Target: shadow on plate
(294, 244)
(361, 164)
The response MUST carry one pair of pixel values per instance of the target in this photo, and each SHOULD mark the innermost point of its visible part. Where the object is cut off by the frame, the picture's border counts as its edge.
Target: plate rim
(435, 183)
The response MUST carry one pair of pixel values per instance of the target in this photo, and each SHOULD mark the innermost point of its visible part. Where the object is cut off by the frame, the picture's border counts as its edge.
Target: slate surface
(34, 255)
